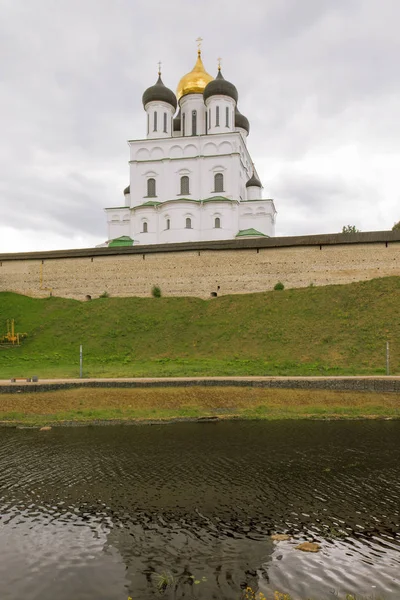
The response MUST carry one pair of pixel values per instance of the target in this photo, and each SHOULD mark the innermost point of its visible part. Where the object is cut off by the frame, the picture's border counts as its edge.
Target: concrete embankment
(357, 384)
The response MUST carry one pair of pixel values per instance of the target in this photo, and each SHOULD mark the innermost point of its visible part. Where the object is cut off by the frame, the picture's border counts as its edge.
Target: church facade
(192, 178)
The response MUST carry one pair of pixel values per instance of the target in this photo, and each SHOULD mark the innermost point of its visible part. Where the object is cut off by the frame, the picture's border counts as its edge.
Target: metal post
(80, 361)
(387, 358)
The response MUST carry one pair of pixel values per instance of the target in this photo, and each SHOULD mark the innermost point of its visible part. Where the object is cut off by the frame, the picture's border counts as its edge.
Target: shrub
(279, 286)
(104, 295)
(350, 229)
(156, 291)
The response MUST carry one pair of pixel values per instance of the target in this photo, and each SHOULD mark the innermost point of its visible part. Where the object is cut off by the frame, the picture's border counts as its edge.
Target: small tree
(350, 229)
(279, 286)
(156, 291)
(396, 226)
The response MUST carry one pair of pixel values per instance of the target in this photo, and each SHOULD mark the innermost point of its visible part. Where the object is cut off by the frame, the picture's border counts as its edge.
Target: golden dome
(195, 81)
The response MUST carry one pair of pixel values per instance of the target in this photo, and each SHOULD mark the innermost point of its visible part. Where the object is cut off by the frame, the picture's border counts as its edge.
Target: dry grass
(85, 404)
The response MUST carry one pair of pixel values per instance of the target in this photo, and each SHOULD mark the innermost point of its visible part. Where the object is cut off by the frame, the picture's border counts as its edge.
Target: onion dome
(159, 93)
(253, 182)
(195, 81)
(220, 87)
(177, 122)
(127, 190)
(241, 121)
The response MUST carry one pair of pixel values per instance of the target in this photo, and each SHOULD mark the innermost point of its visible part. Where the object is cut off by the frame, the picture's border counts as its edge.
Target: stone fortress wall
(203, 268)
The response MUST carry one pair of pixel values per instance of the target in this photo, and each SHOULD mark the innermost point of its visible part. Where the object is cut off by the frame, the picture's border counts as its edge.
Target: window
(183, 123)
(151, 188)
(155, 122)
(209, 118)
(148, 123)
(144, 227)
(185, 185)
(217, 116)
(165, 122)
(227, 116)
(218, 182)
(168, 224)
(206, 121)
(194, 122)
(188, 223)
(217, 223)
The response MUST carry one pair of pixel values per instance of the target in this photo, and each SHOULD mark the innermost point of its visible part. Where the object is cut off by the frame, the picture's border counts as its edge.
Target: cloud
(317, 80)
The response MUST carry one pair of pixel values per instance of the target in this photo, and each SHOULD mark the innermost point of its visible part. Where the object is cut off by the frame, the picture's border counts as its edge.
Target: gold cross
(219, 63)
(199, 40)
(159, 67)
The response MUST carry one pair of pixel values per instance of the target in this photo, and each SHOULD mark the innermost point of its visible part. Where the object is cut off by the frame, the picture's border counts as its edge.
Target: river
(103, 513)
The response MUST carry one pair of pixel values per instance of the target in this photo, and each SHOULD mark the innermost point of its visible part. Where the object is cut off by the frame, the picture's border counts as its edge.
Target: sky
(319, 81)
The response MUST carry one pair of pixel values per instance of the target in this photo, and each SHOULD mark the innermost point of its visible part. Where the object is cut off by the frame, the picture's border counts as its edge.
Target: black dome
(177, 122)
(220, 87)
(241, 121)
(127, 190)
(253, 181)
(158, 92)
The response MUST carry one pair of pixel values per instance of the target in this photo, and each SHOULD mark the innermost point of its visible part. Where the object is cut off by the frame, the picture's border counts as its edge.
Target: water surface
(97, 512)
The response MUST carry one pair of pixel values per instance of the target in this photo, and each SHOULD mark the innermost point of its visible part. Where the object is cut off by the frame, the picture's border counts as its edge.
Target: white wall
(223, 103)
(167, 159)
(160, 108)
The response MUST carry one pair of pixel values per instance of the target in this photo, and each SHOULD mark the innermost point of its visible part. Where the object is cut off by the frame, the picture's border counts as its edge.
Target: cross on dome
(159, 67)
(199, 41)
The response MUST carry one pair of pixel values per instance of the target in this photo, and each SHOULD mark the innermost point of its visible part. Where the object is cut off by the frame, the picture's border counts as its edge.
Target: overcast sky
(319, 81)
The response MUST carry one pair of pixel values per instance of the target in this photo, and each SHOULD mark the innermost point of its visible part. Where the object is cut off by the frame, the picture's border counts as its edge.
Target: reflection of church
(192, 178)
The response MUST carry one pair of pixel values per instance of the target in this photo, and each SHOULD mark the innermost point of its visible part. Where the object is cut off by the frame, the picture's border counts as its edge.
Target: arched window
(218, 182)
(185, 185)
(194, 122)
(165, 122)
(227, 116)
(188, 223)
(209, 118)
(217, 223)
(151, 188)
(155, 122)
(144, 227)
(217, 116)
(183, 124)
(168, 224)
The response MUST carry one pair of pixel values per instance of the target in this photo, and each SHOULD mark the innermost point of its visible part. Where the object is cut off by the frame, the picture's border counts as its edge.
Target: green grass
(332, 330)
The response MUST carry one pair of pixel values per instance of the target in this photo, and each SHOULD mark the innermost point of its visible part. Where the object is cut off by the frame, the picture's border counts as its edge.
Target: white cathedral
(192, 178)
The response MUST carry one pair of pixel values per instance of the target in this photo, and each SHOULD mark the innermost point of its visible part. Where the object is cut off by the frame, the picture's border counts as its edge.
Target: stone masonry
(203, 268)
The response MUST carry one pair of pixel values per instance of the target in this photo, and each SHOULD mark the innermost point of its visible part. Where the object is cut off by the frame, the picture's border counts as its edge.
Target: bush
(279, 286)
(104, 295)
(350, 229)
(156, 291)
(396, 226)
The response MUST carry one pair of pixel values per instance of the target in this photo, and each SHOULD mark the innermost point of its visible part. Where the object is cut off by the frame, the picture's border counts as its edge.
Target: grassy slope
(311, 331)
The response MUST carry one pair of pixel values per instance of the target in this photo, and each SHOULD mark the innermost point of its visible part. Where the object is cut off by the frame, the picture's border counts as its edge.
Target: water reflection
(98, 512)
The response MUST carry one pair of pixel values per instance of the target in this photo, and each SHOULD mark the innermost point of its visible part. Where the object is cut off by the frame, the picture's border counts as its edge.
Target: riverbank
(88, 405)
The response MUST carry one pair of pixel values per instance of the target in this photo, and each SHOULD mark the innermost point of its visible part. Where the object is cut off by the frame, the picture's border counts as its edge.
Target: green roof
(250, 233)
(124, 240)
(149, 203)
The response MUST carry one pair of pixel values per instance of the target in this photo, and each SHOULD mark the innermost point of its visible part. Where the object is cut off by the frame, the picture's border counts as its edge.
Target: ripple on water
(97, 512)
